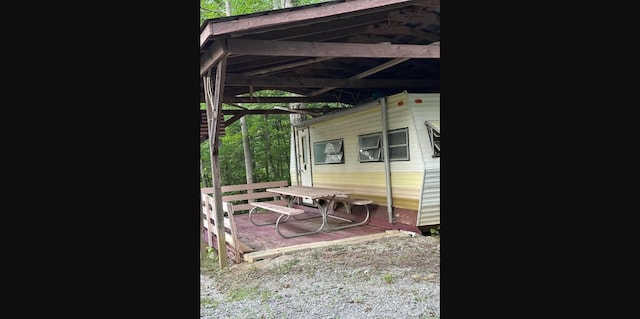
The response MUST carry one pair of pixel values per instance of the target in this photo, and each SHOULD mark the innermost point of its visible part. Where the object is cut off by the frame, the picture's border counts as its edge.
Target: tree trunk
(205, 183)
(247, 151)
(267, 147)
(227, 7)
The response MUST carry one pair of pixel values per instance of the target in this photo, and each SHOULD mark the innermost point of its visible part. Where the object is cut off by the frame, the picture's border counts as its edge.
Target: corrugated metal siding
(405, 191)
(429, 213)
(357, 182)
(428, 110)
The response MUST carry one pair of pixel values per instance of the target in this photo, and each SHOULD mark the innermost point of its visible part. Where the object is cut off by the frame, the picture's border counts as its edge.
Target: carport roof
(347, 51)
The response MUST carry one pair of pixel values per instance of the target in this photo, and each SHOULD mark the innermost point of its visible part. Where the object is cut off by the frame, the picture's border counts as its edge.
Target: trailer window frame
(370, 146)
(404, 144)
(369, 149)
(332, 152)
(434, 139)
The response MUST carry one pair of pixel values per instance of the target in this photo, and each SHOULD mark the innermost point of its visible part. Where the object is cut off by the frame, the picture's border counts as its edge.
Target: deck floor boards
(263, 238)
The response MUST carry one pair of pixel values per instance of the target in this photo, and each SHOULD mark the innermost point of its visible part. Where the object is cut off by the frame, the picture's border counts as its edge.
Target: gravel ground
(396, 277)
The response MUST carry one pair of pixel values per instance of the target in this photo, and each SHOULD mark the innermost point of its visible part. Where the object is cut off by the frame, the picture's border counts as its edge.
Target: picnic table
(323, 198)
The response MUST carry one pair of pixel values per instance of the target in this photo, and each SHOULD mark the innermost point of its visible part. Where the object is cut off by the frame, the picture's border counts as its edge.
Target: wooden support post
(219, 214)
(203, 244)
(214, 104)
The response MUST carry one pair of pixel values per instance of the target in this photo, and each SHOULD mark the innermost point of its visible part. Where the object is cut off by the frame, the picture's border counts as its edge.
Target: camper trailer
(386, 150)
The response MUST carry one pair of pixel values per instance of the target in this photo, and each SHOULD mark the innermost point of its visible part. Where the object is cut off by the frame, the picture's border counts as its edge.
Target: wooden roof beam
(331, 49)
(237, 80)
(277, 82)
(284, 99)
(212, 55)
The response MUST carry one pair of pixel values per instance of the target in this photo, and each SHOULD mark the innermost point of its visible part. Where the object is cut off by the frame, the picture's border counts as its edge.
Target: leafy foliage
(210, 9)
(269, 141)
(268, 135)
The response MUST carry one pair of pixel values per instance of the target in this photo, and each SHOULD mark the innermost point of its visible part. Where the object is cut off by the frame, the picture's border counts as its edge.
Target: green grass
(337, 249)
(357, 299)
(247, 292)
(209, 263)
(286, 266)
(208, 303)
(315, 254)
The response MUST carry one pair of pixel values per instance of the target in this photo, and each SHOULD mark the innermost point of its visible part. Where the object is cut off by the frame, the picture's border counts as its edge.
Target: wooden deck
(266, 242)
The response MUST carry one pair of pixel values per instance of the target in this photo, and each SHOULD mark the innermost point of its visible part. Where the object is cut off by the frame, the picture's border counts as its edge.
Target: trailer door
(304, 156)
(304, 159)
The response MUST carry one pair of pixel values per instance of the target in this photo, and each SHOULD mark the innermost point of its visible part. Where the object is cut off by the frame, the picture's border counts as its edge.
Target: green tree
(268, 135)
(210, 9)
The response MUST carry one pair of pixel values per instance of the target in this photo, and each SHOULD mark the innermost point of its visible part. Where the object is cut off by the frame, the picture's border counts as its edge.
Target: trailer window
(328, 152)
(370, 146)
(398, 145)
(434, 138)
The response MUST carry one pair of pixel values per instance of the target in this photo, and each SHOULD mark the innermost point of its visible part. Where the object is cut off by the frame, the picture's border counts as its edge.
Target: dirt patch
(417, 258)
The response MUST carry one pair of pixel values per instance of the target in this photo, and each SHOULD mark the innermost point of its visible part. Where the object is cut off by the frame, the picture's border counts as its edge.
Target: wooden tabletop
(306, 191)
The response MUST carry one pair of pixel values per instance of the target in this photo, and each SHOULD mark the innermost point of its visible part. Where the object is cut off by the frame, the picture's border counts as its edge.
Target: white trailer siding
(360, 178)
(368, 179)
(427, 110)
(429, 213)
(415, 183)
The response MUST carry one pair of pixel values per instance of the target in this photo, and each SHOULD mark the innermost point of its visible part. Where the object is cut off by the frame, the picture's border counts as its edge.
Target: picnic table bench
(282, 210)
(348, 202)
(277, 208)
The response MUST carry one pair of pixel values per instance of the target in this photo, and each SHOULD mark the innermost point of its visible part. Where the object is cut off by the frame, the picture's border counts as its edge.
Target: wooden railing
(235, 199)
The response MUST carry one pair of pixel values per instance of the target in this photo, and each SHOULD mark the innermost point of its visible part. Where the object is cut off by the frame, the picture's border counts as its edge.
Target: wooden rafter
(421, 17)
(404, 30)
(284, 66)
(364, 74)
(327, 51)
(338, 29)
